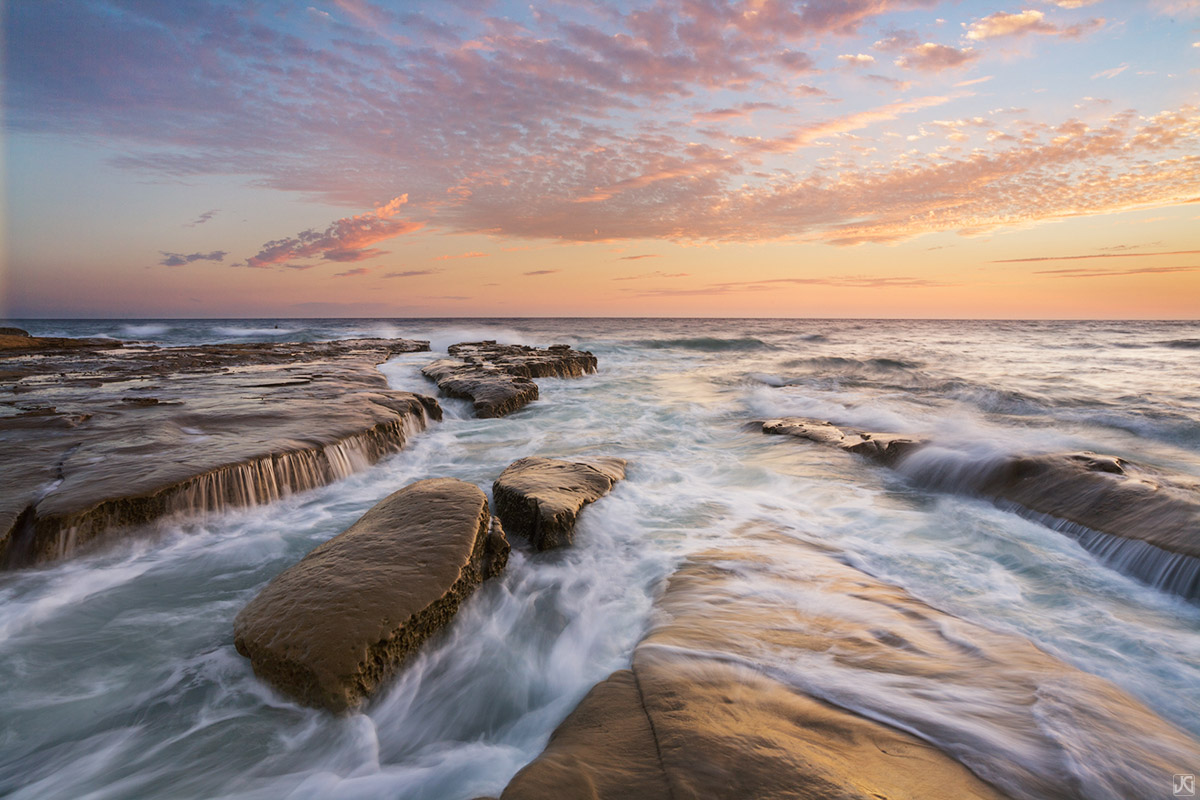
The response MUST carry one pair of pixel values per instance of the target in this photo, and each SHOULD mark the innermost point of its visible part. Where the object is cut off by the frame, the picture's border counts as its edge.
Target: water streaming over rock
(118, 676)
(250, 483)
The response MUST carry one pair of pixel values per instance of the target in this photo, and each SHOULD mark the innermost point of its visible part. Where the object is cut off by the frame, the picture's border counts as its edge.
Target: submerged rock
(540, 498)
(107, 436)
(776, 671)
(497, 378)
(331, 629)
(1154, 517)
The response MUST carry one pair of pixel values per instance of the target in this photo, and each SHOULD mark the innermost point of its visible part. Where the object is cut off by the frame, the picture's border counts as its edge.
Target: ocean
(118, 675)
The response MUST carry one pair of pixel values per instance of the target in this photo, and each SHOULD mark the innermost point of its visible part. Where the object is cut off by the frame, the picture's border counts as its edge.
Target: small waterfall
(249, 483)
(1171, 572)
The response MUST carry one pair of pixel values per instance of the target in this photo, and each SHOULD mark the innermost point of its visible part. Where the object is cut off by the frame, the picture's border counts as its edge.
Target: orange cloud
(346, 239)
(1095, 255)
(1029, 21)
(1112, 273)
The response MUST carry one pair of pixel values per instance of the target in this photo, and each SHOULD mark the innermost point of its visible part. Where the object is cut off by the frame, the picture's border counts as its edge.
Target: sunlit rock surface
(497, 378)
(331, 629)
(1138, 520)
(540, 498)
(99, 436)
(806, 678)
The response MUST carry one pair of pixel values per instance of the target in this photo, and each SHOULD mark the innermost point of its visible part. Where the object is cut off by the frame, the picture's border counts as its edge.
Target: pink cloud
(461, 255)
(931, 57)
(346, 239)
(809, 134)
(574, 125)
(657, 274)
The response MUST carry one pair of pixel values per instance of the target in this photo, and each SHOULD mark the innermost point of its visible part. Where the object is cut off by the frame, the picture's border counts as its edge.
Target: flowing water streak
(1171, 572)
(118, 675)
(250, 483)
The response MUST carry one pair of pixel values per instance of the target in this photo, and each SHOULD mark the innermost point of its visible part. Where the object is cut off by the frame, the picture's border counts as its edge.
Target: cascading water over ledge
(187, 430)
(253, 482)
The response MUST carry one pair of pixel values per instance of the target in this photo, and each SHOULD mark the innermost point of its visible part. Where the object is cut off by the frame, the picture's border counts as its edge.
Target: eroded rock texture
(100, 436)
(497, 378)
(776, 676)
(540, 498)
(331, 629)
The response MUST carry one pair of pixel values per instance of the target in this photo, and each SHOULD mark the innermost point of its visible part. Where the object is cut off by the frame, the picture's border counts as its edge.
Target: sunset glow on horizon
(865, 158)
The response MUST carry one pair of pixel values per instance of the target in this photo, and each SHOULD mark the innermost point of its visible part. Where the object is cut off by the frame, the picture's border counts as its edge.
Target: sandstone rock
(107, 436)
(734, 694)
(331, 629)
(497, 377)
(13, 332)
(885, 448)
(540, 498)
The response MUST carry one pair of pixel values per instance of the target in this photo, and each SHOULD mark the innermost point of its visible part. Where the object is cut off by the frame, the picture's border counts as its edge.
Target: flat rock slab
(497, 378)
(1101, 493)
(99, 436)
(776, 671)
(540, 498)
(331, 629)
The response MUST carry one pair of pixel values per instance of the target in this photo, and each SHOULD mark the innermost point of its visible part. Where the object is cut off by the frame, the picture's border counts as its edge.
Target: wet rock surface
(331, 629)
(885, 448)
(1095, 492)
(101, 436)
(497, 378)
(540, 498)
(806, 678)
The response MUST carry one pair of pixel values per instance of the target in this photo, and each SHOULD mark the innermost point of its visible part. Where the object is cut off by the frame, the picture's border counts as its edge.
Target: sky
(863, 158)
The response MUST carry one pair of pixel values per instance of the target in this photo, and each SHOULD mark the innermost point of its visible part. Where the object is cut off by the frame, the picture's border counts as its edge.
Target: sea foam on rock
(497, 378)
(330, 630)
(1076, 493)
(540, 498)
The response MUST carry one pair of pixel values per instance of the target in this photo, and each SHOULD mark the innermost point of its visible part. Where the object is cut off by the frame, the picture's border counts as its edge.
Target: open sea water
(118, 676)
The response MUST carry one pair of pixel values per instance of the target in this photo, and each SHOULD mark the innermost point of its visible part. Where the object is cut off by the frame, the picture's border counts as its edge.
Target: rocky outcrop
(885, 448)
(1078, 493)
(776, 671)
(5, 331)
(540, 498)
(331, 629)
(497, 378)
(104, 437)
